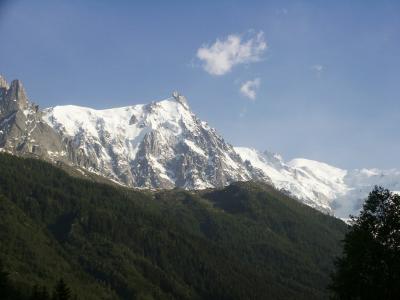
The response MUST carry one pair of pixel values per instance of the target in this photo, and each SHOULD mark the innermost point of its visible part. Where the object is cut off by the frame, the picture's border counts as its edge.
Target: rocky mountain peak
(22, 130)
(3, 83)
(13, 97)
(16, 93)
(180, 99)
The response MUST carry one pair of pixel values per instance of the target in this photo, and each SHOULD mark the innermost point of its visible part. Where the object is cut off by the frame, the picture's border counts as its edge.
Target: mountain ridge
(163, 139)
(164, 145)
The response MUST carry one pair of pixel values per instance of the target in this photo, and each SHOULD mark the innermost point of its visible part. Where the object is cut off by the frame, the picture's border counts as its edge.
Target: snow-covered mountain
(320, 185)
(164, 145)
(158, 145)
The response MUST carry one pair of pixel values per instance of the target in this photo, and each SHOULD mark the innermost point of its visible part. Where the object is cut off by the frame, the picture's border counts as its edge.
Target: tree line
(10, 291)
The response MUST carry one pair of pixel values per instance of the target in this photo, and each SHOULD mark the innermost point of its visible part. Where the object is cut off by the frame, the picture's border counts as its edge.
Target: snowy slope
(162, 144)
(315, 183)
(320, 185)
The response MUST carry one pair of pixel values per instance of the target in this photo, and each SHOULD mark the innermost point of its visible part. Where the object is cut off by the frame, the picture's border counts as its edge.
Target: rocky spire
(181, 99)
(12, 98)
(3, 83)
(3, 91)
(16, 96)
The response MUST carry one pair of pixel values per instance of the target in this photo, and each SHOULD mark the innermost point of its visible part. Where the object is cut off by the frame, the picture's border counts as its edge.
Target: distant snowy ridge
(320, 185)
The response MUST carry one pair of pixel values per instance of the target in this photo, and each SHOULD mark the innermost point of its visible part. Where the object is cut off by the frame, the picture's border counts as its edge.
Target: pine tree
(35, 293)
(4, 283)
(39, 293)
(370, 265)
(62, 291)
(45, 294)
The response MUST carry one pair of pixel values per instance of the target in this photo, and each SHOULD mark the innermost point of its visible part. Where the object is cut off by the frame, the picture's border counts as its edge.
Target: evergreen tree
(370, 265)
(35, 293)
(45, 294)
(4, 283)
(62, 291)
(39, 293)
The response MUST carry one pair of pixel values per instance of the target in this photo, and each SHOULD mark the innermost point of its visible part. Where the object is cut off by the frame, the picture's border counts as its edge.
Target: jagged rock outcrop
(22, 130)
(3, 83)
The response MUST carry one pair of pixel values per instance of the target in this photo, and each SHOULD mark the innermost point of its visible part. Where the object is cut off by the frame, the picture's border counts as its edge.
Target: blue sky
(324, 75)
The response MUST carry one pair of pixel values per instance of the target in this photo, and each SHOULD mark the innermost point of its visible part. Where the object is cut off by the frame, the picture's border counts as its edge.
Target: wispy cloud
(249, 88)
(220, 57)
(318, 69)
(282, 11)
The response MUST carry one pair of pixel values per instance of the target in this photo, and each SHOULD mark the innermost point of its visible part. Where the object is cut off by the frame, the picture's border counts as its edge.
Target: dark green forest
(245, 241)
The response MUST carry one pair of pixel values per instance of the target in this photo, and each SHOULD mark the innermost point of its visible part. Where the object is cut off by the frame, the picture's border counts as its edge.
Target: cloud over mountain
(220, 57)
(249, 88)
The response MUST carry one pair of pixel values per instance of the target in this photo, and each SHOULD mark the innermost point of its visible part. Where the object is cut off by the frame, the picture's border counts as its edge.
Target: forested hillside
(245, 241)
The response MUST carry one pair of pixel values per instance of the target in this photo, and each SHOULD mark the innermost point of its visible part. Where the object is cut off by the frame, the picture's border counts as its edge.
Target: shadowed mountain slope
(244, 241)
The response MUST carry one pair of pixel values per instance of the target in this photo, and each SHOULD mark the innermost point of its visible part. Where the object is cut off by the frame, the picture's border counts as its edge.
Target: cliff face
(22, 130)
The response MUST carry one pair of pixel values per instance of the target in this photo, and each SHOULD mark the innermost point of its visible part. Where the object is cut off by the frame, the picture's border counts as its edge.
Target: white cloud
(318, 69)
(248, 89)
(220, 57)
